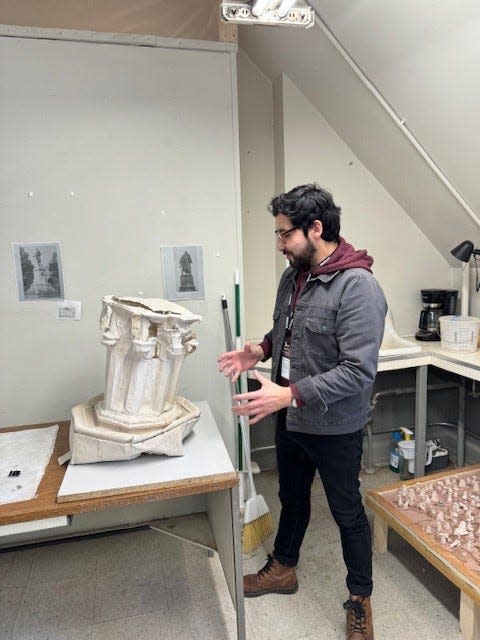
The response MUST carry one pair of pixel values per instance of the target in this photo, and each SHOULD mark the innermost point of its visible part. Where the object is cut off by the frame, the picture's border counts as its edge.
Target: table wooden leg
(380, 534)
(469, 618)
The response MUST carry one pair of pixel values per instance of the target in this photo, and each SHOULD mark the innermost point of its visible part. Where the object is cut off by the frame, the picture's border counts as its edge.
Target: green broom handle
(230, 346)
(238, 328)
(238, 333)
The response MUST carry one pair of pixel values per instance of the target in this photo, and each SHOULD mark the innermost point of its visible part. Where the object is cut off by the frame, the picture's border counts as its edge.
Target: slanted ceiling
(423, 58)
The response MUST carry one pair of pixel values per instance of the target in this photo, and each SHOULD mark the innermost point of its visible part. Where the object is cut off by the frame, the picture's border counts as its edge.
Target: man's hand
(269, 398)
(232, 363)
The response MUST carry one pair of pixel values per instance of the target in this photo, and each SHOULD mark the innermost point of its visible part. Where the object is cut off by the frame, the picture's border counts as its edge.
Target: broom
(257, 520)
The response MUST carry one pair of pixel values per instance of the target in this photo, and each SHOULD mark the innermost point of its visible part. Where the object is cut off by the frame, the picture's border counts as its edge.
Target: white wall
(255, 112)
(405, 260)
(145, 138)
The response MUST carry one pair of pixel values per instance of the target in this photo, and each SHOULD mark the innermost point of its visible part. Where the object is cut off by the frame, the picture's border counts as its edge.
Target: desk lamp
(464, 252)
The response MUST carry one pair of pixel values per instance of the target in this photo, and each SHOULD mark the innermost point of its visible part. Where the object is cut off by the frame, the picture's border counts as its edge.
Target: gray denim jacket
(336, 335)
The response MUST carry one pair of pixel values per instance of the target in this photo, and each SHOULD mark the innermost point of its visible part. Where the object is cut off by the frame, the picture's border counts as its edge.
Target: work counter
(431, 354)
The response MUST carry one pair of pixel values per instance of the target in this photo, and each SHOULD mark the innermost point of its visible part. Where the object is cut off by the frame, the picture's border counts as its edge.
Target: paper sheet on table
(29, 451)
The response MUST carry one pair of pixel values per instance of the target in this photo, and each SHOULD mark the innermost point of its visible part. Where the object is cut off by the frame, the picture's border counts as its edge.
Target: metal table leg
(223, 508)
(462, 394)
(237, 546)
(420, 419)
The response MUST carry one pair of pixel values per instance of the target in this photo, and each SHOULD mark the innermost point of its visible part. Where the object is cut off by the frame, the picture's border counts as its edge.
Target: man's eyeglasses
(284, 234)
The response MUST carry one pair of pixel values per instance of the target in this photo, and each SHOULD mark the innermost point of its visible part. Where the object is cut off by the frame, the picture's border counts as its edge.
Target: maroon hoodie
(344, 257)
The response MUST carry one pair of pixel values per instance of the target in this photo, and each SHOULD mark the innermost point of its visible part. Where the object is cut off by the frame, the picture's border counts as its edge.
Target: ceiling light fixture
(285, 7)
(287, 13)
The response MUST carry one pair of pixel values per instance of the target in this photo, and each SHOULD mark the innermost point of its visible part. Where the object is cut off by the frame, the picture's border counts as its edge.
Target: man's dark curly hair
(306, 203)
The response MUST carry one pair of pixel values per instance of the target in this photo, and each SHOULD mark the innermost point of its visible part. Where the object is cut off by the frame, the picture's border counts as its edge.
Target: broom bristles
(256, 532)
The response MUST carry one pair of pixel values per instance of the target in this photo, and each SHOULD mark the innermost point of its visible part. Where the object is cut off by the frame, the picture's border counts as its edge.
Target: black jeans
(337, 459)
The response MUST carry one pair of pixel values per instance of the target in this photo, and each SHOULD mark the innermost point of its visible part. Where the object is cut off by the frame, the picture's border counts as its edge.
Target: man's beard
(303, 260)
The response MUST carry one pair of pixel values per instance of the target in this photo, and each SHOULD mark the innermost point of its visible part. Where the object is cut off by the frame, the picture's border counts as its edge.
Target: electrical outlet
(69, 310)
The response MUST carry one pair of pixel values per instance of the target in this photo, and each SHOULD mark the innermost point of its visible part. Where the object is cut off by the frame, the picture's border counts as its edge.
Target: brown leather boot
(359, 618)
(274, 577)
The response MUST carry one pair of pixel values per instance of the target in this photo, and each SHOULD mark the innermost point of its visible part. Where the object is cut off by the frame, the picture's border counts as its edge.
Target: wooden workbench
(45, 504)
(388, 515)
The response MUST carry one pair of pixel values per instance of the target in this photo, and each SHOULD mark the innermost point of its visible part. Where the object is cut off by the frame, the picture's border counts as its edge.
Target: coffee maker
(436, 303)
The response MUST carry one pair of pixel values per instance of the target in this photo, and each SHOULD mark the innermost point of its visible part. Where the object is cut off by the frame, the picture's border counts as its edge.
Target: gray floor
(146, 585)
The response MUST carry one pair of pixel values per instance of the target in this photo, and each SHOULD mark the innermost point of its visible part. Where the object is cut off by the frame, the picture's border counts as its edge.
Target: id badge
(285, 370)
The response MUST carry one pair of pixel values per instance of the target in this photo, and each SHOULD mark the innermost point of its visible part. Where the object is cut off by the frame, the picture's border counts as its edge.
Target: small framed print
(38, 271)
(183, 277)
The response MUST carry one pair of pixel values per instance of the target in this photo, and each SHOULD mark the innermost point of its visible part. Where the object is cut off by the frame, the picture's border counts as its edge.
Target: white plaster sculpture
(147, 341)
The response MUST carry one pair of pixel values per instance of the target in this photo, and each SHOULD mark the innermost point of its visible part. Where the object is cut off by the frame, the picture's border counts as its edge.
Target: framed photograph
(183, 273)
(38, 271)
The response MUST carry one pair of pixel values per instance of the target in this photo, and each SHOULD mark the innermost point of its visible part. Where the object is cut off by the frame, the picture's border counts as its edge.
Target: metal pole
(420, 419)
(462, 394)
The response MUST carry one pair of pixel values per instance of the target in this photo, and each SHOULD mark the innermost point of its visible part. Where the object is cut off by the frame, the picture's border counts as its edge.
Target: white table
(466, 365)
(430, 354)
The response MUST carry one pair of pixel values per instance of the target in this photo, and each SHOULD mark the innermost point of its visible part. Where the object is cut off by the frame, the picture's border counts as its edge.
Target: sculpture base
(129, 422)
(95, 441)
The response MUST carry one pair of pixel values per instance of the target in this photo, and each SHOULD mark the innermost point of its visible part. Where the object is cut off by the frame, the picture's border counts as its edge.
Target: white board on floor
(205, 455)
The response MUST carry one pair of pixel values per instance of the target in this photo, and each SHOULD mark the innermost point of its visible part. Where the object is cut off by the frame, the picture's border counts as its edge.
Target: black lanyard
(290, 314)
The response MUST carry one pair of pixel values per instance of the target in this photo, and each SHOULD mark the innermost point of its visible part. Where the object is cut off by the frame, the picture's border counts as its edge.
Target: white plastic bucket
(407, 447)
(459, 333)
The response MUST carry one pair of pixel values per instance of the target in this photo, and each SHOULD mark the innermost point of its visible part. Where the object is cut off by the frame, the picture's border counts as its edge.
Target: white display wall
(112, 151)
